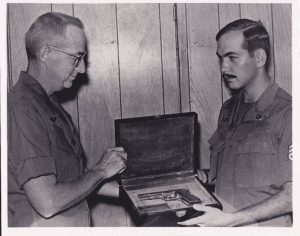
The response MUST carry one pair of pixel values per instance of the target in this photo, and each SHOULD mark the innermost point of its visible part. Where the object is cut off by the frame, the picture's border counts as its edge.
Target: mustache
(228, 76)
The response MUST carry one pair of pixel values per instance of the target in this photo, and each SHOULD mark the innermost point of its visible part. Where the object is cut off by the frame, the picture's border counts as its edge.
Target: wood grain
(20, 17)
(282, 30)
(63, 8)
(205, 82)
(183, 58)
(168, 58)
(99, 100)
(140, 60)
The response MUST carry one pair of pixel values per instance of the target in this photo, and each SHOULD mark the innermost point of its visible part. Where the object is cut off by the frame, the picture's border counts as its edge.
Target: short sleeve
(285, 144)
(28, 146)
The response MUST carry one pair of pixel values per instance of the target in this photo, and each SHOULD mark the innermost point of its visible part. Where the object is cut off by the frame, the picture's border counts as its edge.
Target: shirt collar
(31, 83)
(267, 97)
(39, 92)
(261, 109)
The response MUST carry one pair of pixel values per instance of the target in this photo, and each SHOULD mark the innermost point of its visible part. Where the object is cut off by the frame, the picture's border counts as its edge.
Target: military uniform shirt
(249, 156)
(42, 141)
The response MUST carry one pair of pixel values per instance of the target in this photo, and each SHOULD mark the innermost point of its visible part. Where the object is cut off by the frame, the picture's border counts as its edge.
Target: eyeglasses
(78, 58)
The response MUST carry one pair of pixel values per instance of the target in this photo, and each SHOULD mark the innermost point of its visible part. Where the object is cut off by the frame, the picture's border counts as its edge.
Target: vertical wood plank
(261, 12)
(227, 13)
(99, 100)
(205, 85)
(169, 69)
(70, 105)
(282, 30)
(183, 58)
(21, 16)
(63, 8)
(140, 60)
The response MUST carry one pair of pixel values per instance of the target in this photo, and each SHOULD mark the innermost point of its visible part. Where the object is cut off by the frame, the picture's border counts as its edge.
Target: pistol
(182, 195)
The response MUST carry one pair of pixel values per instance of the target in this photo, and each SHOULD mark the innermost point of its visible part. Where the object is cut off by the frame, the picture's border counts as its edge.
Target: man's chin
(233, 85)
(68, 84)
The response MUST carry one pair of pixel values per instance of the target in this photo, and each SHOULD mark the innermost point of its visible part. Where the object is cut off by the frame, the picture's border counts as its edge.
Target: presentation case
(161, 167)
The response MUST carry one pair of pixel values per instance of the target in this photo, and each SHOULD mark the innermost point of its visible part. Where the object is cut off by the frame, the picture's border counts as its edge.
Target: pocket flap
(258, 143)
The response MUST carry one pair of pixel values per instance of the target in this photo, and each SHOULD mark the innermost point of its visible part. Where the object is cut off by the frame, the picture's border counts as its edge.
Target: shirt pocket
(256, 164)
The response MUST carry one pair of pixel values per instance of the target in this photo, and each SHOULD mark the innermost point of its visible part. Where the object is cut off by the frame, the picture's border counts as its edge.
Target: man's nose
(224, 65)
(81, 67)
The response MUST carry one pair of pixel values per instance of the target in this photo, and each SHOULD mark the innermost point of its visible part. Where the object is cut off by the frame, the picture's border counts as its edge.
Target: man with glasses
(47, 182)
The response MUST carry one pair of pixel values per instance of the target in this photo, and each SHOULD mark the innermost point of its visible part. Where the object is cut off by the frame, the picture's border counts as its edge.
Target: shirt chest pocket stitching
(260, 142)
(257, 163)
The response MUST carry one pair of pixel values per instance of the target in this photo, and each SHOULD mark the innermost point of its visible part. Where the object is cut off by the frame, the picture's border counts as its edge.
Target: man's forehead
(230, 41)
(75, 38)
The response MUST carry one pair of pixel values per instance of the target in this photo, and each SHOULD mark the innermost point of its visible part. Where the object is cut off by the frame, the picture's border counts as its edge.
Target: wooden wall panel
(70, 105)
(168, 51)
(140, 60)
(205, 82)
(227, 14)
(63, 8)
(183, 58)
(20, 17)
(261, 12)
(282, 30)
(99, 100)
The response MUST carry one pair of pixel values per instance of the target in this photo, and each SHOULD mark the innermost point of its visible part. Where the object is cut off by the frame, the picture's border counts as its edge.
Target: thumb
(200, 207)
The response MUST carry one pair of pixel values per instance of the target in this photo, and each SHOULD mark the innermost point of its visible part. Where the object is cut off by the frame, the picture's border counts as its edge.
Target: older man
(47, 182)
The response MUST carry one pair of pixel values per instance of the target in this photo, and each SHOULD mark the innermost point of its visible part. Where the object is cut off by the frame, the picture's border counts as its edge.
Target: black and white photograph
(149, 118)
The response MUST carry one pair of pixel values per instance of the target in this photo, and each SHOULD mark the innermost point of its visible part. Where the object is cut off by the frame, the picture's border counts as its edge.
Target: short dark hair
(48, 28)
(255, 35)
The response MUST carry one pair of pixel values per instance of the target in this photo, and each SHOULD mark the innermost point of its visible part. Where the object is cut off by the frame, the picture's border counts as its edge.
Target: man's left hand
(212, 217)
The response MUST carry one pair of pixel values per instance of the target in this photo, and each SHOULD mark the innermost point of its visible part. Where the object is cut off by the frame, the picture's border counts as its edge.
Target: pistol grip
(188, 198)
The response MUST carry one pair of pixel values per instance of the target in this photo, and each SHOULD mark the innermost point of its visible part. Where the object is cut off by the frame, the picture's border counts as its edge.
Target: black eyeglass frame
(78, 58)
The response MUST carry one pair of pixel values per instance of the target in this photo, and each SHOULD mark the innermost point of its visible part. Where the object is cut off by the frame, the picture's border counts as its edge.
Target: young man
(47, 183)
(250, 159)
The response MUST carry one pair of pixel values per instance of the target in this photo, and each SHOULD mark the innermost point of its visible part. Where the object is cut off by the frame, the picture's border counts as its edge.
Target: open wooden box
(160, 175)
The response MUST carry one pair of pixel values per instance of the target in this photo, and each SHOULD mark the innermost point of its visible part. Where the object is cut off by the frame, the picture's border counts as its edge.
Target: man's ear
(43, 53)
(260, 57)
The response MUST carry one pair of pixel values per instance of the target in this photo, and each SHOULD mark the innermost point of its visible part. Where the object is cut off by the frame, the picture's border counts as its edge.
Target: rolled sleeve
(34, 167)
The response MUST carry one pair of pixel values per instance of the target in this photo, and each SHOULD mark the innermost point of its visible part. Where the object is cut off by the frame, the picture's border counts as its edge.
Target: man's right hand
(113, 161)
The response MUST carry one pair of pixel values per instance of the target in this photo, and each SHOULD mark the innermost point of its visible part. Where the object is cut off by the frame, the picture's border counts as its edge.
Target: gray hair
(48, 28)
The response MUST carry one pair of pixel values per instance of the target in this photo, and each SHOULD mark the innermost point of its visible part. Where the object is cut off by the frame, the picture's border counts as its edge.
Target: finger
(123, 155)
(193, 221)
(180, 213)
(118, 149)
(121, 170)
(202, 176)
(200, 207)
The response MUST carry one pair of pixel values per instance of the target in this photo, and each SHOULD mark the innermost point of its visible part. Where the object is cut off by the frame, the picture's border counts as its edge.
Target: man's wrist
(239, 218)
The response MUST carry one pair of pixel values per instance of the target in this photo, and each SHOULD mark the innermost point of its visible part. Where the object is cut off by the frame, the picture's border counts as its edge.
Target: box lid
(158, 145)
